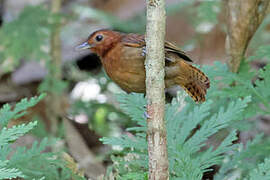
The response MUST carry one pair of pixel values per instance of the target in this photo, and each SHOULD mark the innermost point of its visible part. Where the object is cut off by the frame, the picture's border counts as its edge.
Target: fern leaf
(10, 173)
(6, 114)
(183, 144)
(262, 172)
(215, 123)
(126, 142)
(39, 164)
(134, 106)
(210, 158)
(264, 83)
(8, 135)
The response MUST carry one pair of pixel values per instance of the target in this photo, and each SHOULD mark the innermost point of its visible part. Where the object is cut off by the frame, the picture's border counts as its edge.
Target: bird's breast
(125, 66)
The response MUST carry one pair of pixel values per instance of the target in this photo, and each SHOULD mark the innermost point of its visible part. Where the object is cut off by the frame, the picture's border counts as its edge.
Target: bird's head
(101, 41)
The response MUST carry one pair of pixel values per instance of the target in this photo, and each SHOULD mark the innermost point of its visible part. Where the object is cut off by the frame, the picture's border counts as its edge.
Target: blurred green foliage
(103, 118)
(25, 37)
(32, 163)
(205, 12)
(208, 11)
(233, 100)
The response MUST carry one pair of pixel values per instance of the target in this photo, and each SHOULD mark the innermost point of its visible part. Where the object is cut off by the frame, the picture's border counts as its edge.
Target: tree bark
(54, 100)
(56, 40)
(243, 19)
(86, 159)
(154, 65)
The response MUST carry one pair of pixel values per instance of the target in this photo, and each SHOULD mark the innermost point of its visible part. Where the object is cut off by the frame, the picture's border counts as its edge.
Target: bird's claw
(144, 51)
(146, 115)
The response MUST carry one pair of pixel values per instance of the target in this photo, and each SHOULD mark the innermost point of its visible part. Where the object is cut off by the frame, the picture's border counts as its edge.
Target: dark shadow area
(1, 11)
(209, 175)
(90, 62)
(91, 138)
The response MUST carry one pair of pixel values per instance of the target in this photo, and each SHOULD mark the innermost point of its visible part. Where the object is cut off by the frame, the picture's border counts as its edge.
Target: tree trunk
(54, 100)
(243, 19)
(154, 65)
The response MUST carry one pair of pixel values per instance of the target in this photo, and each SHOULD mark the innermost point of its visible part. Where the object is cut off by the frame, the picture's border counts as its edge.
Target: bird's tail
(193, 81)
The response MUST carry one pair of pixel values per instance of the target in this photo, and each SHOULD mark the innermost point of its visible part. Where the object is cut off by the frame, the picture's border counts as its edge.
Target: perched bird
(123, 55)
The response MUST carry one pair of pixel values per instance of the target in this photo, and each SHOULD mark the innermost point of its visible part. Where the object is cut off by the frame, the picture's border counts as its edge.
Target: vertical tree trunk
(154, 65)
(56, 40)
(54, 100)
(243, 19)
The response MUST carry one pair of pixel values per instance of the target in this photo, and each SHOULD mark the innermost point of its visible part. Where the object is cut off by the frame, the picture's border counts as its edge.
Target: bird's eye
(99, 37)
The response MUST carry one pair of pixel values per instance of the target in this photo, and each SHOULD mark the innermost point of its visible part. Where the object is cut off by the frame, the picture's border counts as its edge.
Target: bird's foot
(146, 115)
(144, 51)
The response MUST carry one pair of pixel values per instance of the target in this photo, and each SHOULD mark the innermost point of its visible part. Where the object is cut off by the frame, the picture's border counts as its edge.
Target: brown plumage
(122, 56)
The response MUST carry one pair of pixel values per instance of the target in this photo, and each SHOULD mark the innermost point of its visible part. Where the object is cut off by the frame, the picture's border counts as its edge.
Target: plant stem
(154, 65)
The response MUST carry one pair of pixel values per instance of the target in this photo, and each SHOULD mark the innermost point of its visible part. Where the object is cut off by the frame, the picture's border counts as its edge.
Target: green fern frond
(244, 159)
(185, 159)
(212, 157)
(218, 121)
(7, 114)
(8, 135)
(134, 106)
(262, 172)
(39, 164)
(263, 52)
(264, 82)
(10, 173)
(126, 142)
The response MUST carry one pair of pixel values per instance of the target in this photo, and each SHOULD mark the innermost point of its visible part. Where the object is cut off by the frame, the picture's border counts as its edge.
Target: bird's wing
(138, 41)
(170, 47)
(133, 40)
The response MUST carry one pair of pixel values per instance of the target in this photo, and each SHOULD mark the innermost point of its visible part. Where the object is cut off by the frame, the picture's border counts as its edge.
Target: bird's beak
(83, 46)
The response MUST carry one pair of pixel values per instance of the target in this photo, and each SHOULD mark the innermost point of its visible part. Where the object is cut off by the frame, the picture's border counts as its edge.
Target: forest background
(80, 125)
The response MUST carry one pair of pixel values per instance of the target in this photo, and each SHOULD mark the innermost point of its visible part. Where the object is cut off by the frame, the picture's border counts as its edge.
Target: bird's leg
(144, 51)
(145, 114)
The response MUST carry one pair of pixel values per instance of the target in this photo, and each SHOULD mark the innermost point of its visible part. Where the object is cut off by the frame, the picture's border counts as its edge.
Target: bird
(123, 54)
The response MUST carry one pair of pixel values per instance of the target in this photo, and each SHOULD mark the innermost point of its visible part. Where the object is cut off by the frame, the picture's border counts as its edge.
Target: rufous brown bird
(123, 55)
